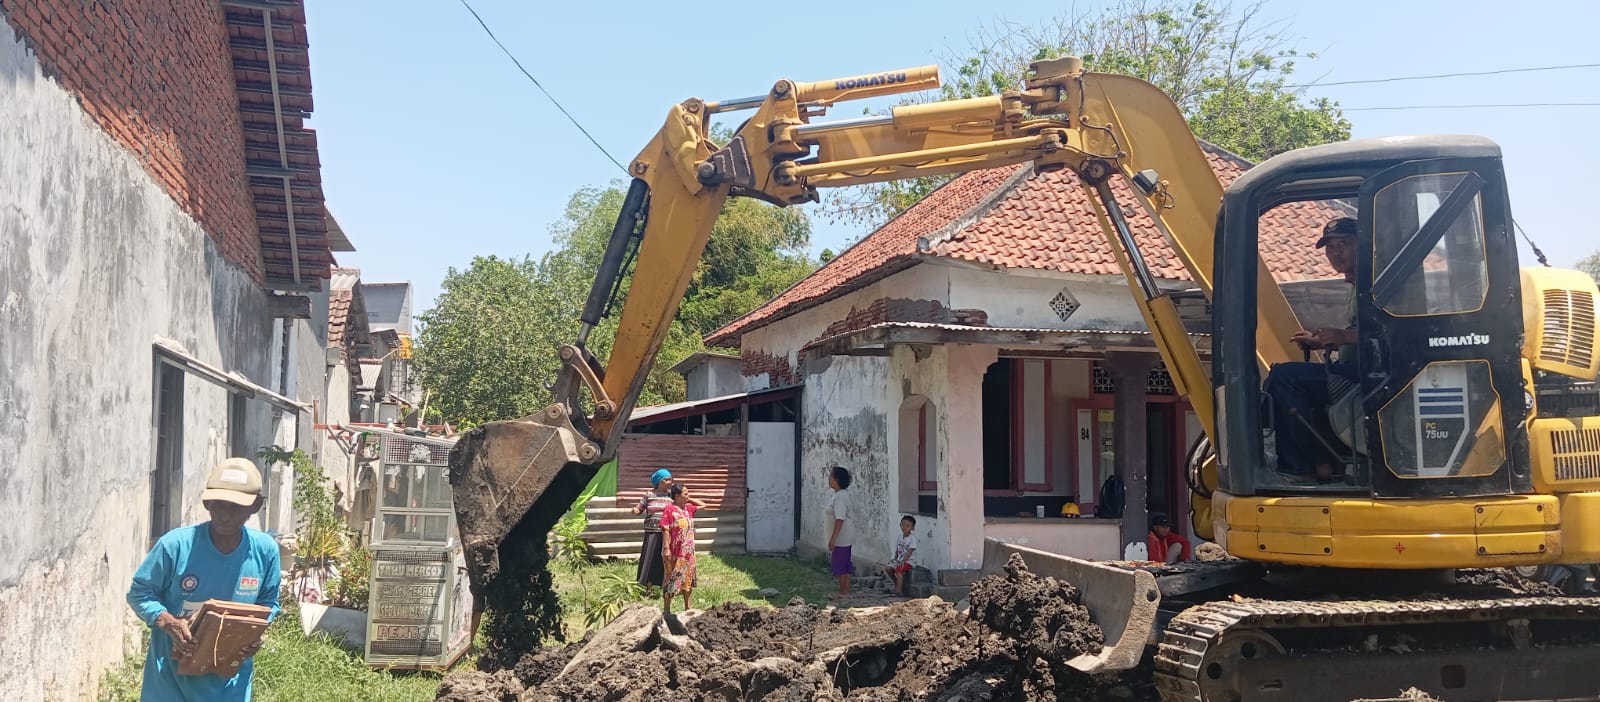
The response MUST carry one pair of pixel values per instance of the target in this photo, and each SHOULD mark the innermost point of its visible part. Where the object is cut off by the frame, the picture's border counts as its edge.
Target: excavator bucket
(1122, 602)
(512, 481)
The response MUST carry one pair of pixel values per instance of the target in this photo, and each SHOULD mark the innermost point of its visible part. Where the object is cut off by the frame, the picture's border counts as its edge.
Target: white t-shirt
(903, 548)
(839, 508)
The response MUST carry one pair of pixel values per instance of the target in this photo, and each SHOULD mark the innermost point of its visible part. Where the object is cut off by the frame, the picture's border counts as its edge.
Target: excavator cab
(1436, 404)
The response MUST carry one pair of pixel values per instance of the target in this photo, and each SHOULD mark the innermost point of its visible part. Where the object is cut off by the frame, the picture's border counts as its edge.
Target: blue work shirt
(183, 571)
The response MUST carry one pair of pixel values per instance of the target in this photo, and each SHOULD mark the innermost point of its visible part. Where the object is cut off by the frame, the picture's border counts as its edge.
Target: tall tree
(1225, 68)
(488, 347)
(479, 350)
(1590, 264)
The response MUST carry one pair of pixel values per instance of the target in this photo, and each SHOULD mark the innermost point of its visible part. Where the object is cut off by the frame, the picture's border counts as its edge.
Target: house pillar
(961, 467)
(1130, 370)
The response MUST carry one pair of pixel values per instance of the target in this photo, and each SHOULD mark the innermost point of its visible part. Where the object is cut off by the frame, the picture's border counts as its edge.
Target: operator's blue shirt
(183, 571)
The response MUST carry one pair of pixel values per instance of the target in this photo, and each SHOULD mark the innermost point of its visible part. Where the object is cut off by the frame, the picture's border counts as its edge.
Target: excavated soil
(1007, 646)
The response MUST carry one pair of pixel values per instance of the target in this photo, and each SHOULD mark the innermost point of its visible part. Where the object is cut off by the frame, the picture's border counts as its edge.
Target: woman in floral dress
(677, 547)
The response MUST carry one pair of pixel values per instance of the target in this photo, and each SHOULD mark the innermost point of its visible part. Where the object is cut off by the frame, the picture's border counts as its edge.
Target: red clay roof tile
(1034, 220)
(338, 315)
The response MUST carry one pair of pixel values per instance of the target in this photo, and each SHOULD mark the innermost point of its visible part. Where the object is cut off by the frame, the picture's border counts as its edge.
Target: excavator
(1470, 440)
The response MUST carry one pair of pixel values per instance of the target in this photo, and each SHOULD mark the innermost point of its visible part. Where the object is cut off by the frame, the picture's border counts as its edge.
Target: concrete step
(634, 521)
(614, 531)
(636, 536)
(630, 551)
(959, 578)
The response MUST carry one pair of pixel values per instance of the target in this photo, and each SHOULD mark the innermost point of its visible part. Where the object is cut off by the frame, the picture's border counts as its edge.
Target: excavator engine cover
(512, 481)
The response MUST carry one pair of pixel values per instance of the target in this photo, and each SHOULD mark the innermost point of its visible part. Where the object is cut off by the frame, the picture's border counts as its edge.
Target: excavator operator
(1298, 389)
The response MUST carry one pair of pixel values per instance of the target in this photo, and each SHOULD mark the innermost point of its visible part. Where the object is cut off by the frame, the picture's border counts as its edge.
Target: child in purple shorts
(839, 520)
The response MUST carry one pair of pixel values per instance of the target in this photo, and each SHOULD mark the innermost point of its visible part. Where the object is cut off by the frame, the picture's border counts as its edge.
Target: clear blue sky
(435, 149)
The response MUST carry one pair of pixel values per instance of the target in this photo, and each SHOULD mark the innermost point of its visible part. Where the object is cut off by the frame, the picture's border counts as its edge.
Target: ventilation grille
(1568, 328)
(1576, 454)
(398, 450)
(1064, 304)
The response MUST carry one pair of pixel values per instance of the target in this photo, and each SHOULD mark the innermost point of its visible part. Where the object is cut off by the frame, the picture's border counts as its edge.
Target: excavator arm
(513, 479)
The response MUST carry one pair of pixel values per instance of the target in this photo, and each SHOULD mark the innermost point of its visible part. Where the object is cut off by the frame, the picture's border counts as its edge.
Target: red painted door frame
(1177, 487)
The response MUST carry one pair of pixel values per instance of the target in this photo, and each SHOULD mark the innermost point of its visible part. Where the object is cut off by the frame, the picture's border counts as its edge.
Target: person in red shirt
(1162, 541)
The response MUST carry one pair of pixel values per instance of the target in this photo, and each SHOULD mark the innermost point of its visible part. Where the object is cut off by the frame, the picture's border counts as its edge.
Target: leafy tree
(487, 348)
(1590, 264)
(481, 349)
(1226, 70)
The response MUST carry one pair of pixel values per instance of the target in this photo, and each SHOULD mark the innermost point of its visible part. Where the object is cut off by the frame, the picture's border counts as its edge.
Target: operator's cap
(1340, 228)
(1159, 519)
(235, 480)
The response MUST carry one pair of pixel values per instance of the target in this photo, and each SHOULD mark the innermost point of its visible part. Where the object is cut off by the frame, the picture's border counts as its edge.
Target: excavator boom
(1101, 126)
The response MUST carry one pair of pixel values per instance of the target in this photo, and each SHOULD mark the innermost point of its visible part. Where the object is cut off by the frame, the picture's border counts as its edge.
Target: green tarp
(604, 484)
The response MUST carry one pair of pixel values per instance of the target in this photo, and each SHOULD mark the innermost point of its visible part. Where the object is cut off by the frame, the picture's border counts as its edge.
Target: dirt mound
(1045, 616)
(1008, 646)
(1045, 624)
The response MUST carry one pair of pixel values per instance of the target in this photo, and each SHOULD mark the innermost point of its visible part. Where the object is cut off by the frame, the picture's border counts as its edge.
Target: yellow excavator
(1468, 437)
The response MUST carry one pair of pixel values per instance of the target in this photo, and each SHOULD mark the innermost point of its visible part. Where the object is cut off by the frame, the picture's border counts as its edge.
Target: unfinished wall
(97, 258)
(846, 420)
(770, 352)
(298, 369)
(157, 76)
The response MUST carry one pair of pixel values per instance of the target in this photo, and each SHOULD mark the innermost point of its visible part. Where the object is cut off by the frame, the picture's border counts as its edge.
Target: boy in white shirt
(903, 548)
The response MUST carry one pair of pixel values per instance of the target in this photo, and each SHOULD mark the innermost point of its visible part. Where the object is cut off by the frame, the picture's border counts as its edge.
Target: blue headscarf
(658, 476)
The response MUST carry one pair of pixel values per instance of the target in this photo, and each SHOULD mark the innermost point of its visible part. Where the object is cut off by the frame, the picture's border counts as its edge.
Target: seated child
(903, 548)
(1165, 545)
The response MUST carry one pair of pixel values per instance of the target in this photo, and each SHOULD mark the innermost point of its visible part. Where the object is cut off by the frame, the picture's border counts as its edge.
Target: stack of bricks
(157, 75)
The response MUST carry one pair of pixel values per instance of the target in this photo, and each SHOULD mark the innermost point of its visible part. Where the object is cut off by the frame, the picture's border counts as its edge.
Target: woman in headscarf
(677, 527)
(651, 505)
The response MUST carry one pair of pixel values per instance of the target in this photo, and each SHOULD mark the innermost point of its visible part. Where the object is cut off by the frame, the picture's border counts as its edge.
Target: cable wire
(1445, 75)
(536, 83)
(1469, 107)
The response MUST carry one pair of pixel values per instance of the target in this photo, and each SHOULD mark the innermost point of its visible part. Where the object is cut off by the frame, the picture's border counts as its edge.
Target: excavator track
(1519, 648)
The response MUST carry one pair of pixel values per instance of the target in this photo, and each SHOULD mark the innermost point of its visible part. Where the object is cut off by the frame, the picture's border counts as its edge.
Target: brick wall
(755, 363)
(157, 75)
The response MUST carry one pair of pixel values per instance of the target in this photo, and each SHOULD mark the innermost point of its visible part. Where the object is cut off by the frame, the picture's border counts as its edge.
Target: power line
(1471, 107)
(1445, 75)
(536, 83)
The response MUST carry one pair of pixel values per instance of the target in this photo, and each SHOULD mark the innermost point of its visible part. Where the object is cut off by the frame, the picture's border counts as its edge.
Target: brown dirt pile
(1003, 648)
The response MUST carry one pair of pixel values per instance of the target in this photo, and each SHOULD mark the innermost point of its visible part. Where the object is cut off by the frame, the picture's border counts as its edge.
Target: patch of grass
(723, 578)
(123, 683)
(293, 666)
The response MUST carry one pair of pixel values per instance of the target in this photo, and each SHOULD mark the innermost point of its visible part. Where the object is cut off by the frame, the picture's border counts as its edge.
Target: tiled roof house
(962, 361)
